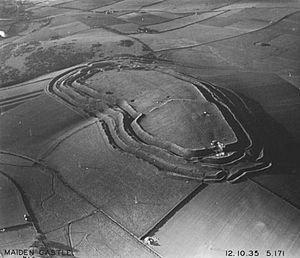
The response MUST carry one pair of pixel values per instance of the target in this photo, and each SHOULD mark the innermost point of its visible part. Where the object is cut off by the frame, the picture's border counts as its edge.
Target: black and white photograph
(149, 128)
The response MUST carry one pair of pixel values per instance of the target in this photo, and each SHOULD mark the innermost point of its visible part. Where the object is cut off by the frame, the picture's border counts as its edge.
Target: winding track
(120, 124)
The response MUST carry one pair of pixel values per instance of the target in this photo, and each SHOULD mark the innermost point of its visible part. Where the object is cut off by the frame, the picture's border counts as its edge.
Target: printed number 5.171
(277, 253)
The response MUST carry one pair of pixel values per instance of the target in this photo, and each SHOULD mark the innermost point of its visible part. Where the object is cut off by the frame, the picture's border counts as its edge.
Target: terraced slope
(188, 129)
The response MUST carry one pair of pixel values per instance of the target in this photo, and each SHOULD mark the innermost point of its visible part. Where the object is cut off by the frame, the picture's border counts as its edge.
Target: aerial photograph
(149, 128)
